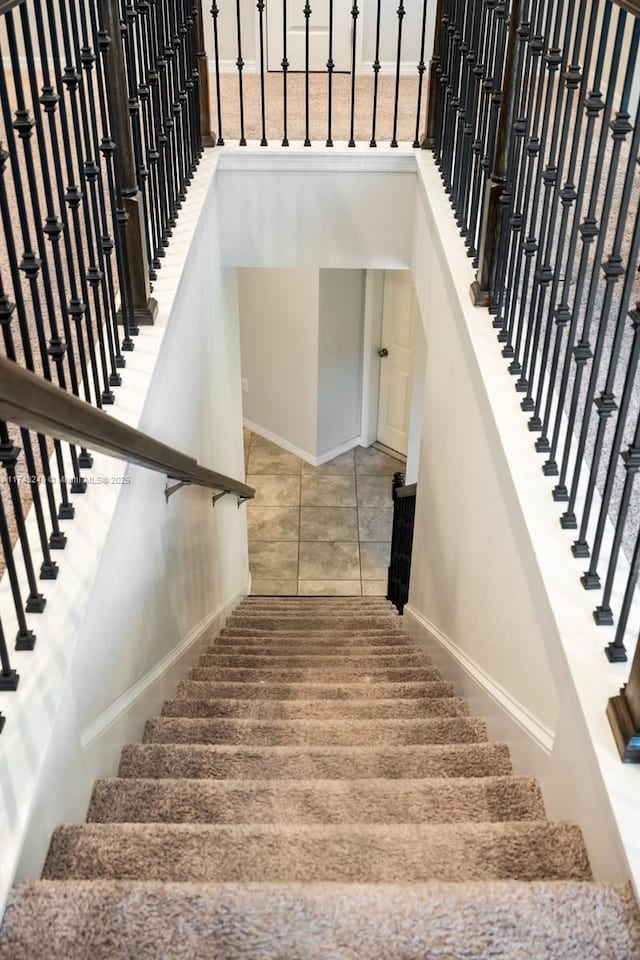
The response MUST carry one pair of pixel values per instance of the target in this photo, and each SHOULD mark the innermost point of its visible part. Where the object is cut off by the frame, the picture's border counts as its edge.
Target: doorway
(318, 36)
(397, 350)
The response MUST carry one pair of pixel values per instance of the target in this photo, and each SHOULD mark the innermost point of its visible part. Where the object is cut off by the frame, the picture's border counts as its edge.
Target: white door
(399, 317)
(318, 34)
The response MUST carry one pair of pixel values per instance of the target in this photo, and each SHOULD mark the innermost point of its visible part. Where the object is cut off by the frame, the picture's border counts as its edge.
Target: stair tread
(315, 674)
(533, 850)
(316, 801)
(281, 690)
(233, 658)
(507, 920)
(346, 731)
(224, 761)
(309, 709)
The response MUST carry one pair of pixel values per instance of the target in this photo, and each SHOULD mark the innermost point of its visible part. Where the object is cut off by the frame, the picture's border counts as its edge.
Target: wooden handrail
(36, 404)
(408, 491)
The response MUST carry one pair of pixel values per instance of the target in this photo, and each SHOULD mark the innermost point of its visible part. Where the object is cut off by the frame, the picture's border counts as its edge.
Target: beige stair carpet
(316, 790)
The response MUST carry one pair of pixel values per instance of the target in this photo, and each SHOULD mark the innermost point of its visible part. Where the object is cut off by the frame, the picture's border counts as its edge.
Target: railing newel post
(623, 713)
(207, 136)
(128, 193)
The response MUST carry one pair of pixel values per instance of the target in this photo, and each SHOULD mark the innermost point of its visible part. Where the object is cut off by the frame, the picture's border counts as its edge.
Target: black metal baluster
(159, 156)
(51, 227)
(466, 117)
(307, 16)
(88, 164)
(576, 78)
(376, 72)
(104, 241)
(354, 16)
(590, 232)
(603, 614)
(25, 638)
(396, 95)
(30, 265)
(330, 69)
(557, 60)
(613, 268)
(216, 55)
(9, 679)
(263, 141)
(478, 163)
(421, 69)
(240, 65)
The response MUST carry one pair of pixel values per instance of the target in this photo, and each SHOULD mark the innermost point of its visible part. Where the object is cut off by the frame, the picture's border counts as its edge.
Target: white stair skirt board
(298, 451)
(568, 784)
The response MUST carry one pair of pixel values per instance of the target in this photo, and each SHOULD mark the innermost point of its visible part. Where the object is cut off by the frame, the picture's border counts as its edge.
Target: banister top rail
(6, 5)
(36, 404)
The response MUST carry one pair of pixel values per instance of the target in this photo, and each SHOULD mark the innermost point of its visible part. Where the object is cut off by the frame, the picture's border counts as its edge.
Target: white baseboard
(123, 721)
(530, 740)
(298, 451)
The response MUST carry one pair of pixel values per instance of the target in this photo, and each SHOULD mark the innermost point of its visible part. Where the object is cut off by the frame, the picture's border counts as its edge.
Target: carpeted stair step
(314, 732)
(200, 761)
(353, 853)
(317, 709)
(311, 634)
(275, 690)
(292, 622)
(341, 674)
(505, 920)
(351, 661)
(316, 801)
(313, 645)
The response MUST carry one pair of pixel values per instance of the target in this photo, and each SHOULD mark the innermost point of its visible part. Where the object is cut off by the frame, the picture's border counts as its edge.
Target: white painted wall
(340, 352)
(301, 335)
(140, 580)
(279, 333)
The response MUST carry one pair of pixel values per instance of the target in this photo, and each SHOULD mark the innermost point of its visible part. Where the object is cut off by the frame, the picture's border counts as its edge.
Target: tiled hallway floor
(319, 530)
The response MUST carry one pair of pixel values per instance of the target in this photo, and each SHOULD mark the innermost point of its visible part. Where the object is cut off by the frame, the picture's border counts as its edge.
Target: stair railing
(535, 123)
(34, 404)
(404, 508)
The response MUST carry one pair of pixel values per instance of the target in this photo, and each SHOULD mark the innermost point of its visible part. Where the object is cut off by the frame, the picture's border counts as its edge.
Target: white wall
(279, 336)
(301, 335)
(340, 355)
(140, 580)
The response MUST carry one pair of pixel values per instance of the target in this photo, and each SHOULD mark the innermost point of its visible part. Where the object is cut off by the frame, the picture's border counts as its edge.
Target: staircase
(316, 790)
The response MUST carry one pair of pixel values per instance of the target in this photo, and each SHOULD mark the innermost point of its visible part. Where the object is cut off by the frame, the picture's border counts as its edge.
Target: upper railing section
(534, 119)
(103, 116)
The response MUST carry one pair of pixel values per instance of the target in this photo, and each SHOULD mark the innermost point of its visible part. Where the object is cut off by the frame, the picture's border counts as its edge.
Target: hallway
(319, 530)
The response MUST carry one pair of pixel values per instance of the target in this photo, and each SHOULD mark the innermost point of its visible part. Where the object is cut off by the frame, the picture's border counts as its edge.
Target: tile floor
(319, 530)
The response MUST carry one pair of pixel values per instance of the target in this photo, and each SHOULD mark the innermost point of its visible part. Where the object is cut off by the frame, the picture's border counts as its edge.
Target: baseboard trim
(298, 451)
(125, 703)
(541, 736)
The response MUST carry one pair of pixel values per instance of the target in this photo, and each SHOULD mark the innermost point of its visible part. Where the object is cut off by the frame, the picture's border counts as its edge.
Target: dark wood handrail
(36, 404)
(408, 491)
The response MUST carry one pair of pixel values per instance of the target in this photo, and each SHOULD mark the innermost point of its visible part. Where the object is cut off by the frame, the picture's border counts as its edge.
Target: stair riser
(342, 634)
(363, 801)
(297, 763)
(312, 732)
(348, 854)
(313, 691)
(317, 709)
(316, 675)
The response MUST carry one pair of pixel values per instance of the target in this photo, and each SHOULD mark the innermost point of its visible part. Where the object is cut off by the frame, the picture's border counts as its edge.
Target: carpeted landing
(316, 790)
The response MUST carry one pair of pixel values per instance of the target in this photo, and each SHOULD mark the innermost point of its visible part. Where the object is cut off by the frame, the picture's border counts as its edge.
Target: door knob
(383, 352)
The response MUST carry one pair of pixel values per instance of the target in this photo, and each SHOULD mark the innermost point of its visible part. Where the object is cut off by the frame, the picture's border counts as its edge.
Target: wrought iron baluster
(421, 68)
(396, 95)
(376, 72)
(216, 56)
(330, 69)
(260, 6)
(307, 16)
(355, 13)
(240, 66)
